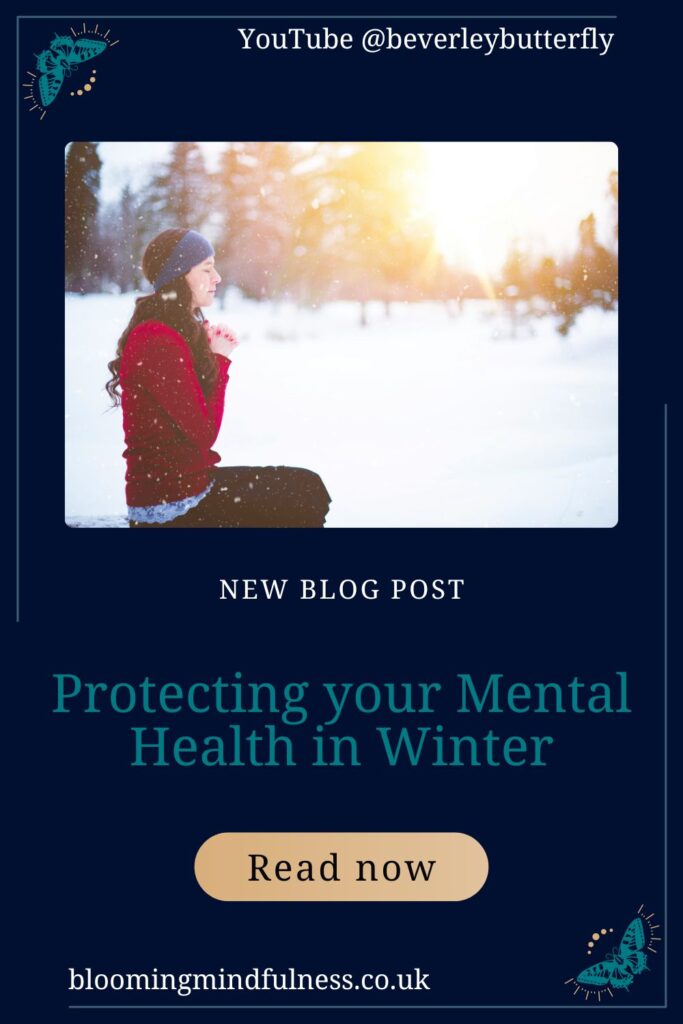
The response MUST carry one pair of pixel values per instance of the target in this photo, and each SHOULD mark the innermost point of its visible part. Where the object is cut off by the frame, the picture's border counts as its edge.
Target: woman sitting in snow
(169, 375)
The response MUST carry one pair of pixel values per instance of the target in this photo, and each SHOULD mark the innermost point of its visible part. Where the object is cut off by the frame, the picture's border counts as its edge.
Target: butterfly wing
(622, 977)
(87, 49)
(636, 962)
(46, 61)
(63, 46)
(634, 938)
(599, 975)
(49, 85)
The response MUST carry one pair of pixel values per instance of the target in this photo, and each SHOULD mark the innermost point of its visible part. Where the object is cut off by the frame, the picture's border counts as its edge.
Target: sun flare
(483, 196)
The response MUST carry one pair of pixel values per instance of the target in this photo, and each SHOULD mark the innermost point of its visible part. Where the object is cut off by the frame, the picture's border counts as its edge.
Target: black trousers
(256, 496)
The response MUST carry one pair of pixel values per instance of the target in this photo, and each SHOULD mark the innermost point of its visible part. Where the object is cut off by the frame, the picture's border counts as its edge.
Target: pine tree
(121, 236)
(179, 194)
(81, 201)
(258, 200)
(594, 269)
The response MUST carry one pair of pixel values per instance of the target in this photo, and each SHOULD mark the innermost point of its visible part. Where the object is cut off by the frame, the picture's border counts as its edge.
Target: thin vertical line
(666, 696)
(17, 115)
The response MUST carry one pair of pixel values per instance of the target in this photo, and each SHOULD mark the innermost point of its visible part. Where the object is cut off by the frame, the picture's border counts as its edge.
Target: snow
(417, 420)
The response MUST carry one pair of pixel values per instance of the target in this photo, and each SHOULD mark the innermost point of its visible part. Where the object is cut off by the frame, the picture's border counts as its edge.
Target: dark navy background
(107, 855)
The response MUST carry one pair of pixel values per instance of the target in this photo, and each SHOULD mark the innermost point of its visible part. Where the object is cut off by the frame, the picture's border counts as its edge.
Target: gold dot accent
(93, 79)
(87, 87)
(603, 931)
(591, 943)
(79, 92)
(595, 935)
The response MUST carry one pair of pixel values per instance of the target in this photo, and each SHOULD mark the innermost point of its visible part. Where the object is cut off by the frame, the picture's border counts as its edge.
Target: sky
(479, 195)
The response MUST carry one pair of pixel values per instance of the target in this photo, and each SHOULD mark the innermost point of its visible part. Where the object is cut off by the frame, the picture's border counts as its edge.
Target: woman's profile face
(203, 279)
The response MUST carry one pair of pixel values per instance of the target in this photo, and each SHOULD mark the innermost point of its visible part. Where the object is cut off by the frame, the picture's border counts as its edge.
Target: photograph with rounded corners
(341, 334)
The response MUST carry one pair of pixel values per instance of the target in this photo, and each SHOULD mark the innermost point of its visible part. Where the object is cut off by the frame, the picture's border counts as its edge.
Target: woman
(169, 375)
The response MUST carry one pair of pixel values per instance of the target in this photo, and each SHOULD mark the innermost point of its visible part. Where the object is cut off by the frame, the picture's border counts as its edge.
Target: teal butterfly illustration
(619, 967)
(59, 61)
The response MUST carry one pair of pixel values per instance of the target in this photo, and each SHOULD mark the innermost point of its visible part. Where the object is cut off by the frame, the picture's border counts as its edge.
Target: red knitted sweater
(169, 425)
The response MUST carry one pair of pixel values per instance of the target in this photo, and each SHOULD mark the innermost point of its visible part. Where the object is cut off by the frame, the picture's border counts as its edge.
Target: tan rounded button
(320, 866)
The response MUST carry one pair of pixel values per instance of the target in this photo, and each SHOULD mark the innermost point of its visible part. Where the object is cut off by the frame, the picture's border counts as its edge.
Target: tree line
(312, 224)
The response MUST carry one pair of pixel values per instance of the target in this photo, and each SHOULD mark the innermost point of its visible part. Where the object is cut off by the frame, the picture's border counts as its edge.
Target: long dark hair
(172, 305)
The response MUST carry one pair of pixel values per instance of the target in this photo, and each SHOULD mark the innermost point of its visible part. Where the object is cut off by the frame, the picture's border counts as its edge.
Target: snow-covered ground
(418, 419)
